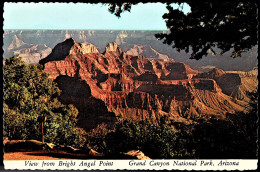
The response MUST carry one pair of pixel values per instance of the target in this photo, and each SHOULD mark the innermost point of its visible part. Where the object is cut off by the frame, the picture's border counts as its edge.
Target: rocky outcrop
(59, 52)
(30, 53)
(126, 40)
(236, 84)
(136, 154)
(16, 43)
(149, 52)
(35, 145)
(136, 50)
(92, 111)
(69, 47)
(113, 48)
(88, 48)
(113, 85)
(23, 145)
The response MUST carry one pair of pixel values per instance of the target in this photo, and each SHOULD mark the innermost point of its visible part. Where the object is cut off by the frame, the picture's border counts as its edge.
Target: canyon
(34, 45)
(116, 84)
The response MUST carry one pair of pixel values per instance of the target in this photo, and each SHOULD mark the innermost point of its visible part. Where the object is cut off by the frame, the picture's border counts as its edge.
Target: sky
(83, 16)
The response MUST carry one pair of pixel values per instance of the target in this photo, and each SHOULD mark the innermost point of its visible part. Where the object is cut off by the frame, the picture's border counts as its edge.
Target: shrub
(233, 137)
(95, 139)
(155, 140)
(28, 94)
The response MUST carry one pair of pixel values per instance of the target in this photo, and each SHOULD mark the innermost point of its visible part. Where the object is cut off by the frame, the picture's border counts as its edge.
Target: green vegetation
(28, 94)
(156, 140)
(219, 27)
(233, 137)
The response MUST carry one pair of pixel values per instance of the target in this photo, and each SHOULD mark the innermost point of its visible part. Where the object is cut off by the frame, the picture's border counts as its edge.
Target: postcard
(130, 86)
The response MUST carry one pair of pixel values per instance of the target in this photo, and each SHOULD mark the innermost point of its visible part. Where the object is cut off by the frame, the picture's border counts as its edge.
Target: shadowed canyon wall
(112, 85)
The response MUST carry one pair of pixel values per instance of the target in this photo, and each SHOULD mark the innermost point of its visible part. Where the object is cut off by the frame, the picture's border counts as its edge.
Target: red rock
(128, 86)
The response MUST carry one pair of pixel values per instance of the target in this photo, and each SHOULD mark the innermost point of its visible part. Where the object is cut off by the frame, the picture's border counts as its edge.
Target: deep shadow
(60, 51)
(23, 146)
(92, 111)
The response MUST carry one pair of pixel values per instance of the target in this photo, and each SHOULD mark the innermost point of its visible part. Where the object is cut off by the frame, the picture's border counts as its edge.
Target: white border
(171, 164)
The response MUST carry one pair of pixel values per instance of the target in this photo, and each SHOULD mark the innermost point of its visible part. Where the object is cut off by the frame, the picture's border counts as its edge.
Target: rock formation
(114, 85)
(129, 41)
(16, 43)
(30, 53)
(236, 84)
(113, 47)
(149, 52)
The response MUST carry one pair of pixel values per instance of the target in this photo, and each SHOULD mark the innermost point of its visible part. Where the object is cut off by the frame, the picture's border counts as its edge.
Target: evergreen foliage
(213, 26)
(230, 138)
(29, 94)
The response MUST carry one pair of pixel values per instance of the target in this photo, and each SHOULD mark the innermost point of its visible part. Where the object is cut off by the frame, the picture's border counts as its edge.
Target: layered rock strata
(112, 85)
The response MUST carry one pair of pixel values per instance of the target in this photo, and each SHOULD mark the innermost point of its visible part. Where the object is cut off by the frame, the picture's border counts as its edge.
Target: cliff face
(149, 52)
(92, 111)
(144, 43)
(114, 85)
(236, 84)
